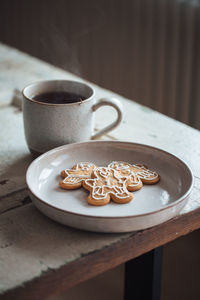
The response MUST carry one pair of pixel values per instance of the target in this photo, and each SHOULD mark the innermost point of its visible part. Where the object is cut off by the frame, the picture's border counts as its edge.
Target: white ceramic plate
(152, 205)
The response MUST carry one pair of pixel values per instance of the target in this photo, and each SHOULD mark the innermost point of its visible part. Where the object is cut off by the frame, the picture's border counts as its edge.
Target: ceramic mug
(49, 125)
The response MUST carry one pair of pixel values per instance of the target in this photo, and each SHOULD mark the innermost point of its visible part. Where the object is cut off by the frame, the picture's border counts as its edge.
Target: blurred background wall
(146, 50)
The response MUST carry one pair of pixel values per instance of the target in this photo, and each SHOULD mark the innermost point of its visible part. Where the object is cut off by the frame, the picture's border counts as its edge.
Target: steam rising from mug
(61, 51)
(48, 124)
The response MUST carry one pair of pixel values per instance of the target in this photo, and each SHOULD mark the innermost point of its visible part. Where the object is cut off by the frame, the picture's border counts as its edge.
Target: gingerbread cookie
(138, 173)
(105, 184)
(74, 177)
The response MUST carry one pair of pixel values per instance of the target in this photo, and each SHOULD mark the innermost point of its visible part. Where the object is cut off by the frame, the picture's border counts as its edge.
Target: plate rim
(168, 206)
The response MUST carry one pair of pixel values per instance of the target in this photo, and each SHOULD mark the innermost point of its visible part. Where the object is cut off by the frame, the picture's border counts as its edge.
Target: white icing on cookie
(108, 181)
(125, 168)
(145, 173)
(73, 176)
(137, 172)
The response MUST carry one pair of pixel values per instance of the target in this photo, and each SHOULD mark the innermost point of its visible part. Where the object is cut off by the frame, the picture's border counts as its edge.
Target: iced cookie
(138, 173)
(74, 177)
(105, 184)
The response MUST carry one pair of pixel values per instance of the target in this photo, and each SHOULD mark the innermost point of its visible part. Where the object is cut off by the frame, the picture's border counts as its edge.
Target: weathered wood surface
(31, 245)
(95, 256)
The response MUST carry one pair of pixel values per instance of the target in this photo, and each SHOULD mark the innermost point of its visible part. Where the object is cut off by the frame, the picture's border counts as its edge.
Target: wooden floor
(181, 273)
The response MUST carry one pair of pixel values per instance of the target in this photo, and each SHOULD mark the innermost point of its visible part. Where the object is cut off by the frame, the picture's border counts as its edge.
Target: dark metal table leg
(143, 276)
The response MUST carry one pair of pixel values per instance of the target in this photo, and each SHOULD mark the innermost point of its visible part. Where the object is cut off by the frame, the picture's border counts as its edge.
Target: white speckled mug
(49, 125)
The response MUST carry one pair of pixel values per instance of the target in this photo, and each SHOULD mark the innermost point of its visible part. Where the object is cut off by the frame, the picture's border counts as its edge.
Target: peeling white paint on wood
(30, 243)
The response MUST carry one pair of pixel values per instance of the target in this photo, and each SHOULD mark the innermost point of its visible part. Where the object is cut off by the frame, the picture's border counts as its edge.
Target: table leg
(143, 276)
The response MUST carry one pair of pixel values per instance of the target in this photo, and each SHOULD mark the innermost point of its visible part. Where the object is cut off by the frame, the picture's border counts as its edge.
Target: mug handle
(116, 104)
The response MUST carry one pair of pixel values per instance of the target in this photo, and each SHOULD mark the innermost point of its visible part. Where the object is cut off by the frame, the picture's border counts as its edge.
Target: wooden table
(39, 257)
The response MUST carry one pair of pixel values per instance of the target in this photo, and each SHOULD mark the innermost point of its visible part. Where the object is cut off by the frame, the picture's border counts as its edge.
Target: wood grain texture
(88, 266)
(31, 244)
(39, 257)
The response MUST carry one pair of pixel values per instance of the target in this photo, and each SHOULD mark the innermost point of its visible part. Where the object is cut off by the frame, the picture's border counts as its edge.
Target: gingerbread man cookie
(74, 177)
(105, 184)
(138, 173)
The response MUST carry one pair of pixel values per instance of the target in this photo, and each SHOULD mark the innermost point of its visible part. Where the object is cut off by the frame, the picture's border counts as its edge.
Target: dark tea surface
(58, 98)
